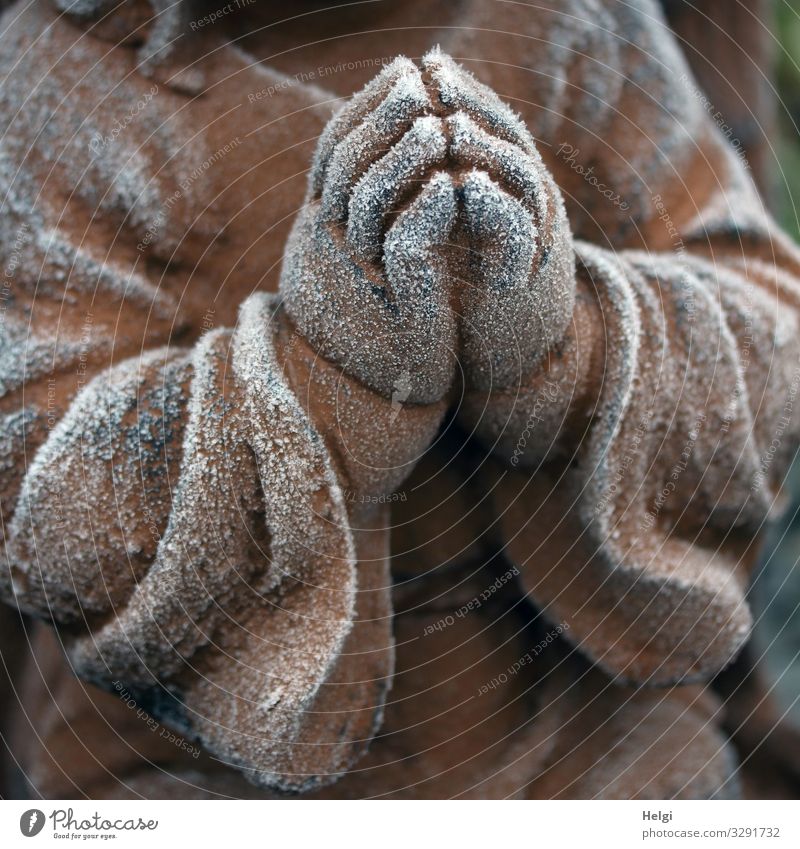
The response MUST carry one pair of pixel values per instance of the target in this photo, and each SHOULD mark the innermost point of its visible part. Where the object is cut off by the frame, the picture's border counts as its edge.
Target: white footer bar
(404, 825)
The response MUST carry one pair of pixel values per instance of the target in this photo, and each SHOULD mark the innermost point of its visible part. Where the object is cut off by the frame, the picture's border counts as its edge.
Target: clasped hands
(433, 246)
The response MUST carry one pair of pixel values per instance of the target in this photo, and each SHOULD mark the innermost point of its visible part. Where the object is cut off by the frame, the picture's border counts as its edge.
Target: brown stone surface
(208, 520)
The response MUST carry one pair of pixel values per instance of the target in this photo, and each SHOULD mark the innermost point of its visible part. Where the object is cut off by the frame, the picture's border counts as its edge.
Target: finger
(413, 268)
(508, 164)
(502, 319)
(501, 230)
(354, 111)
(418, 296)
(388, 180)
(459, 90)
(71, 8)
(383, 127)
(170, 22)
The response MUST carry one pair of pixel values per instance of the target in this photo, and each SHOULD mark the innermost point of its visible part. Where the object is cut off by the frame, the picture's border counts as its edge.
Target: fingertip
(398, 81)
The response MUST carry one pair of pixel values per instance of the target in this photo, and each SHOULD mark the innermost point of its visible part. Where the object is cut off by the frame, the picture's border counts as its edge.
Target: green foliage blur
(775, 592)
(788, 85)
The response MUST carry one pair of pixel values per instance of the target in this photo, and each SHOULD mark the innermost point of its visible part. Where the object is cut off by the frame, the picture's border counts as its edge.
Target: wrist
(374, 441)
(546, 413)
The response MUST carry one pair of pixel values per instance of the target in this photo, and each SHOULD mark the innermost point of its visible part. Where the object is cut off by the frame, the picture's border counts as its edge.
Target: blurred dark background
(746, 55)
(776, 590)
